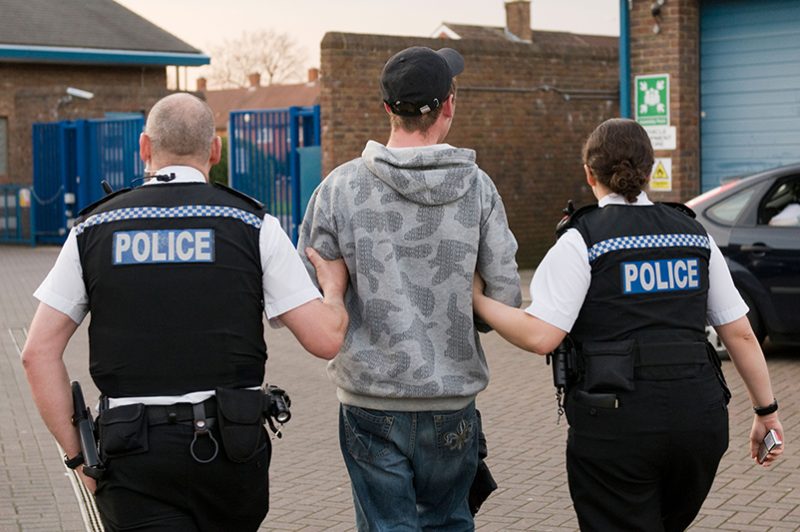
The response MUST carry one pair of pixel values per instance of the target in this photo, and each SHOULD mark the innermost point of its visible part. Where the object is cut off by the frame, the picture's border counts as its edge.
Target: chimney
(201, 84)
(518, 18)
(313, 75)
(255, 79)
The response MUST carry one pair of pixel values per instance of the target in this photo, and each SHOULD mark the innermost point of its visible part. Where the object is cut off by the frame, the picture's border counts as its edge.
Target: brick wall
(525, 108)
(31, 93)
(673, 50)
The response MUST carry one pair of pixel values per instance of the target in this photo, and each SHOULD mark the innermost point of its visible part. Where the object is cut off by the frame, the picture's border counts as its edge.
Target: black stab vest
(649, 268)
(174, 279)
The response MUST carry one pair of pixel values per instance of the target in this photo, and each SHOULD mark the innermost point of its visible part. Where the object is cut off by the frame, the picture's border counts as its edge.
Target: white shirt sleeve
(286, 283)
(63, 288)
(561, 282)
(725, 304)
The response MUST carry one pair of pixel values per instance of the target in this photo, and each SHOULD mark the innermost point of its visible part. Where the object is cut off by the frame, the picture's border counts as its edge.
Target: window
(728, 210)
(3, 145)
(781, 205)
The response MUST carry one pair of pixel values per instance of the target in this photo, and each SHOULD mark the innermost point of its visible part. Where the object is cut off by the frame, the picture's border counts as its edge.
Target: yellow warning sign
(661, 176)
(24, 198)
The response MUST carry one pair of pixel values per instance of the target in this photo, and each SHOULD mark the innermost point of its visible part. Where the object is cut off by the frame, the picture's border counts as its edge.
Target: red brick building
(526, 102)
(97, 46)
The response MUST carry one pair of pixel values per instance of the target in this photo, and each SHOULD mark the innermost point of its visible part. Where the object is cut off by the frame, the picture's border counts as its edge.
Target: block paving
(309, 486)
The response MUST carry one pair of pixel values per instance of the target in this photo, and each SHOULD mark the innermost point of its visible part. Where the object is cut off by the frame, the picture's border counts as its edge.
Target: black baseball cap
(417, 80)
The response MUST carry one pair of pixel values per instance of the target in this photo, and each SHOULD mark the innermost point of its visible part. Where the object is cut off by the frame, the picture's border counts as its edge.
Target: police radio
(564, 361)
(564, 358)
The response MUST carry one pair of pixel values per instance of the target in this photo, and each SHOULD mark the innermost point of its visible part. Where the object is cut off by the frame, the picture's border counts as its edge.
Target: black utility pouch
(609, 366)
(123, 431)
(241, 423)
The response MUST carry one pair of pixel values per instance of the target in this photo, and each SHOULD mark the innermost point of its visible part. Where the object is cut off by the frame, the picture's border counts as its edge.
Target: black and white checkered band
(647, 241)
(184, 211)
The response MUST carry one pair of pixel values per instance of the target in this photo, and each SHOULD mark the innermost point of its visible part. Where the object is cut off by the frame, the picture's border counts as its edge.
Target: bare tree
(277, 57)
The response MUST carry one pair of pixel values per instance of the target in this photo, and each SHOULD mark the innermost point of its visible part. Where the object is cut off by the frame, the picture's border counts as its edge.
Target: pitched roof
(82, 30)
(552, 38)
(222, 102)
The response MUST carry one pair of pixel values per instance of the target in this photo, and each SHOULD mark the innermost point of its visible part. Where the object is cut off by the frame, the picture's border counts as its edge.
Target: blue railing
(17, 215)
(264, 161)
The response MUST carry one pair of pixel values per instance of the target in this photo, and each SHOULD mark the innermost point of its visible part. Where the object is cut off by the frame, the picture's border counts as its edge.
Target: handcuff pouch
(241, 423)
(122, 431)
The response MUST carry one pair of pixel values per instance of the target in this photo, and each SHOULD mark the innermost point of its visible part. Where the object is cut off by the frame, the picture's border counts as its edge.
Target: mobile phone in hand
(771, 440)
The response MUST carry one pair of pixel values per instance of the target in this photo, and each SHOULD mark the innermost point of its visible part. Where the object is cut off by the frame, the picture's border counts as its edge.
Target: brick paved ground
(310, 489)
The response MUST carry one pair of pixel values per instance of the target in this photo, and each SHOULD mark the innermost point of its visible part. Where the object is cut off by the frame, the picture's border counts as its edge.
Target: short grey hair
(181, 124)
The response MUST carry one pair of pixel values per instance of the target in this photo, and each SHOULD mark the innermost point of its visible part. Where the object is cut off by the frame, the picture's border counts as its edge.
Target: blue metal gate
(264, 159)
(70, 159)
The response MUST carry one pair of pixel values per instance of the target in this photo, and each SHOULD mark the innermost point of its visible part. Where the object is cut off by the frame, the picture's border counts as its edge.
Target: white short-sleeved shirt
(562, 279)
(285, 282)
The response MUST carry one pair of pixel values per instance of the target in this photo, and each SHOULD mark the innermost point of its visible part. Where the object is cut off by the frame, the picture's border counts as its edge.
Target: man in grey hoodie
(413, 221)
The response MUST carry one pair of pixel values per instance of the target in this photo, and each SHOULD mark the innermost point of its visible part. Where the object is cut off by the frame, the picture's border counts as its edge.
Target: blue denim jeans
(410, 470)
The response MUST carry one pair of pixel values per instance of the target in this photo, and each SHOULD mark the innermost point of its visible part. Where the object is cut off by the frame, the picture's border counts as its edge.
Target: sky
(204, 23)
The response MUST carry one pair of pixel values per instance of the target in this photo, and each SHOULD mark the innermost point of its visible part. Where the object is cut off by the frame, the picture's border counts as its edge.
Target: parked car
(755, 221)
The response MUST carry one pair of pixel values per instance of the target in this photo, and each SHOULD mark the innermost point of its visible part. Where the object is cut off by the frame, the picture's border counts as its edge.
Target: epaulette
(570, 218)
(92, 206)
(680, 207)
(241, 195)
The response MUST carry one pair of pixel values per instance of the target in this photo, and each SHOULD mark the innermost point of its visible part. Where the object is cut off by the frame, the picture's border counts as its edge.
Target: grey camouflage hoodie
(413, 225)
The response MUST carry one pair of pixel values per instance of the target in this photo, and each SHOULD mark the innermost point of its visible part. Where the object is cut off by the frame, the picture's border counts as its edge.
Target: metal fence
(17, 220)
(265, 162)
(70, 159)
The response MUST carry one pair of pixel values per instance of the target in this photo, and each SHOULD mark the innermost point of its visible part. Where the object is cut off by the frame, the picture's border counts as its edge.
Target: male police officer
(176, 275)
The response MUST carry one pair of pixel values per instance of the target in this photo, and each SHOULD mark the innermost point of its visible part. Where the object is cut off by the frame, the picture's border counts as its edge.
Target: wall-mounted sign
(652, 100)
(662, 137)
(661, 176)
(24, 198)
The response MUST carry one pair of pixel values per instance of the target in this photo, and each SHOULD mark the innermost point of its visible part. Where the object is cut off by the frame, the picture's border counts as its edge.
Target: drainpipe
(624, 60)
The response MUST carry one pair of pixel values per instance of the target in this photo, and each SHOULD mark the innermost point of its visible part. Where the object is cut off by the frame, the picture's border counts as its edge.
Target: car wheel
(754, 317)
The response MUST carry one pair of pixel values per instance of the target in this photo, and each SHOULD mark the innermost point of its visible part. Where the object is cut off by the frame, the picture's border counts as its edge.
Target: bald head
(181, 127)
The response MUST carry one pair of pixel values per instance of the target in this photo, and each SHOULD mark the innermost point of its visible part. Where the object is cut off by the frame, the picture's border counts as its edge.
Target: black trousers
(649, 464)
(164, 488)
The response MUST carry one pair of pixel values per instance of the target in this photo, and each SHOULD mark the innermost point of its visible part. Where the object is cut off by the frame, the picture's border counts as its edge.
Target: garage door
(749, 87)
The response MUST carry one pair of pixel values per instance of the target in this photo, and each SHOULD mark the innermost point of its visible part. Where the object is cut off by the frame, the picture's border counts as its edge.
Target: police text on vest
(170, 245)
(660, 275)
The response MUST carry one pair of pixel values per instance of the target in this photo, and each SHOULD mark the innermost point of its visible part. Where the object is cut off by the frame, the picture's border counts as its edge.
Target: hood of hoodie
(430, 175)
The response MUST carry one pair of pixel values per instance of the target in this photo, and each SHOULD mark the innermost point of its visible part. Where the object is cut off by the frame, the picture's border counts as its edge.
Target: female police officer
(634, 283)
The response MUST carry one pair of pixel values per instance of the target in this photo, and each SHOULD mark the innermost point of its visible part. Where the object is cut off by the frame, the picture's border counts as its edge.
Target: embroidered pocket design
(455, 441)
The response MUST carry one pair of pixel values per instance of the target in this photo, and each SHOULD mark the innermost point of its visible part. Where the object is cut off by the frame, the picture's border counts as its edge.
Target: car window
(728, 210)
(781, 204)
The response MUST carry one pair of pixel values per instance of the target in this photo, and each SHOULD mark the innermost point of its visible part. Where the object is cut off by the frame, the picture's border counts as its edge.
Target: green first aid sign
(652, 100)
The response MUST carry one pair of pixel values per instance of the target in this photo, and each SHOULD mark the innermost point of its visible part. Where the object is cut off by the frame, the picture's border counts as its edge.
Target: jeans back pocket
(366, 433)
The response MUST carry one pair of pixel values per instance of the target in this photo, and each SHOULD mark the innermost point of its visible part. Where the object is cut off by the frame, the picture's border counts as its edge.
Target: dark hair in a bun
(620, 156)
